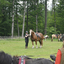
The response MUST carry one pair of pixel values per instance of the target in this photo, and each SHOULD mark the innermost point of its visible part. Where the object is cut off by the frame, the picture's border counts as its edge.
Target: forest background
(16, 17)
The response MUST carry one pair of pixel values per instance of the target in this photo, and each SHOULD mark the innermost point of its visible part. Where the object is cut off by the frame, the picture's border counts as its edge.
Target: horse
(36, 37)
(61, 37)
(46, 36)
(55, 36)
(8, 59)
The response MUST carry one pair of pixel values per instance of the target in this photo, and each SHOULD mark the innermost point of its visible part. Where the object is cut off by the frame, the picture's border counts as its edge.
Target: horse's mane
(5, 58)
(33, 31)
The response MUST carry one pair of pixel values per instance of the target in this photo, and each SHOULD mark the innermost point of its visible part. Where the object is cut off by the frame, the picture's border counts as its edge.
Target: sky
(49, 4)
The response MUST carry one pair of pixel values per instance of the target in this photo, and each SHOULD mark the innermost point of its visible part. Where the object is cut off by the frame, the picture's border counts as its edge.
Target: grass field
(17, 47)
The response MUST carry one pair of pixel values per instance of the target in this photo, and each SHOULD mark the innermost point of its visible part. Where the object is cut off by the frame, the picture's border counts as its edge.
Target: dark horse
(36, 38)
(8, 59)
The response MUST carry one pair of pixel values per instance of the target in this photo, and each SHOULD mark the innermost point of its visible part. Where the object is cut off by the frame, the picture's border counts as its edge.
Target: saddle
(38, 35)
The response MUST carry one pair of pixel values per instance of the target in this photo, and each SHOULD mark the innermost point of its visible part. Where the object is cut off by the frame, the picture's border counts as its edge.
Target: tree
(36, 24)
(17, 17)
(53, 11)
(13, 20)
(24, 18)
(45, 16)
(60, 16)
(27, 17)
(5, 25)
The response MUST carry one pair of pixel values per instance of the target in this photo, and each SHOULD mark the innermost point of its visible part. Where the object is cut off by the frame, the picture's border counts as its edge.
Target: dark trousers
(26, 43)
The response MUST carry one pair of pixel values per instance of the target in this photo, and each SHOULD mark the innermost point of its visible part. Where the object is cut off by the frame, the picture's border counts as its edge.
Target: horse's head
(20, 59)
(30, 32)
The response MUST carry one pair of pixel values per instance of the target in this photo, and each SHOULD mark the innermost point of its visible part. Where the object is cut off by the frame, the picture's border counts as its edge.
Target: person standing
(26, 39)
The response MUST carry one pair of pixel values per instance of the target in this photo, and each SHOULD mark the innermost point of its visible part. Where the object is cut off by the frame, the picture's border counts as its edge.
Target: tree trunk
(53, 12)
(18, 27)
(13, 20)
(24, 18)
(27, 17)
(45, 16)
(17, 18)
(54, 17)
(36, 24)
(9, 10)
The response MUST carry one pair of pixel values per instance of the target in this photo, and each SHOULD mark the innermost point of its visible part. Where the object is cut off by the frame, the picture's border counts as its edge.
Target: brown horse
(36, 38)
(55, 36)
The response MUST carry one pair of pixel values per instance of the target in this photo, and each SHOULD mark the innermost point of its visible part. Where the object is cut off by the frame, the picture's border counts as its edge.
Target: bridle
(21, 60)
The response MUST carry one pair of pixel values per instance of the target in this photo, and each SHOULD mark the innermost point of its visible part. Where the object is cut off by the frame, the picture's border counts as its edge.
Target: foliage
(60, 16)
(34, 8)
(5, 26)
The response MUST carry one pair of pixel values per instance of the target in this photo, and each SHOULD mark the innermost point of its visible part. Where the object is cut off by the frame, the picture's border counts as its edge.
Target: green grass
(17, 47)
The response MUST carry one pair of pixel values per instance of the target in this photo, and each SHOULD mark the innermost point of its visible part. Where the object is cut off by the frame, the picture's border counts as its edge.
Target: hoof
(32, 46)
(40, 46)
(36, 46)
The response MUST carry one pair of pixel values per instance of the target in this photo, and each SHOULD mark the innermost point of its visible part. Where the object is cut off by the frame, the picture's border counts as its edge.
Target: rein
(21, 60)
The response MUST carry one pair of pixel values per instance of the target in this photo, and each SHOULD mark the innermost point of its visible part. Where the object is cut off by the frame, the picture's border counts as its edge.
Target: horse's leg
(45, 38)
(32, 44)
(58, 39)
(52, 39)
(41, 43)
(36, 44)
